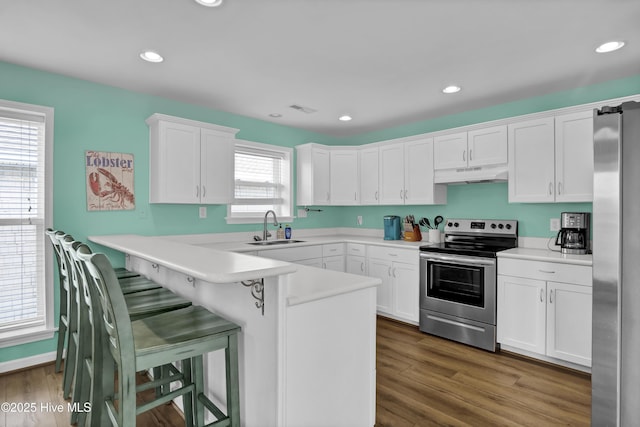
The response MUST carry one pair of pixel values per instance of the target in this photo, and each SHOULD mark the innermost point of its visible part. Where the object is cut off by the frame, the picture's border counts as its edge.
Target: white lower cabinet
(398, 296)
(545, 309)
(356, 265)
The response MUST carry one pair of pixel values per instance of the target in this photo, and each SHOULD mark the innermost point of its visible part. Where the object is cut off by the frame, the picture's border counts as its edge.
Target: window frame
(287, 153)
(25, 335)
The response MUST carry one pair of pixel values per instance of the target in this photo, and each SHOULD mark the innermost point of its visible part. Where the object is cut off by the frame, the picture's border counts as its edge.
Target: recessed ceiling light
(451, 89)
(209, 3)
(275, 115)
(345, 118)
(609, 46)
(151, 56)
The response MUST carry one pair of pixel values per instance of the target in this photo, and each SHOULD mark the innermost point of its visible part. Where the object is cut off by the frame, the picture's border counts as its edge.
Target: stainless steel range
(458, 280)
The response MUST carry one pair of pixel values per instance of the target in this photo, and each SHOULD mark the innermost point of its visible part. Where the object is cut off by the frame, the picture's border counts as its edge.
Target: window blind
(260, 182)
(22, 201)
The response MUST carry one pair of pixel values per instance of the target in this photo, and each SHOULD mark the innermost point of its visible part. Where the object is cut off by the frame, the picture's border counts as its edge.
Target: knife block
(413, 236)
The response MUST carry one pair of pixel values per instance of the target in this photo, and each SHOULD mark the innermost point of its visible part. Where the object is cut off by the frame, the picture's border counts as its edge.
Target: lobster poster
(109, 181)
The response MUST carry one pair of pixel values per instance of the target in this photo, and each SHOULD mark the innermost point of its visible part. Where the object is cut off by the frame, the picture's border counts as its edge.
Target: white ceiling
(384, 62)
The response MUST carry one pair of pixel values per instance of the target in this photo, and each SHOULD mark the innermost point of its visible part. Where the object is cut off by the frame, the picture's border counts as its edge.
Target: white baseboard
(26, 362)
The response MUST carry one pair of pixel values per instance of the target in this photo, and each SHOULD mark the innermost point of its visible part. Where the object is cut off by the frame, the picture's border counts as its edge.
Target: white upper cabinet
(344, 181)
(313, 175)
(369, 176)
(531, 161)
(574, 157)
(480, 147)
(392, 174)
(450, 151)
(189, 161)
(406, 174)
(487, 146)
(551, 160)
(418, 174)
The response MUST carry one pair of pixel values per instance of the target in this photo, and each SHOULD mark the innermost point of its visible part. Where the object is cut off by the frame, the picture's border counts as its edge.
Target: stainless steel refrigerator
(616, 267)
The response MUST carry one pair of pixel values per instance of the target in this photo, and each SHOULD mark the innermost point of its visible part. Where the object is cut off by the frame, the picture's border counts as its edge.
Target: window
(262, 182)
(25, 199)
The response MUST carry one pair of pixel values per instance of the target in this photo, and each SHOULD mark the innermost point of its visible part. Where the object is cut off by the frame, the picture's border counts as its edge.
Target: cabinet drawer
(293, 254)
(548, 271)
(355, 249)
(332, 249)
(393, 254)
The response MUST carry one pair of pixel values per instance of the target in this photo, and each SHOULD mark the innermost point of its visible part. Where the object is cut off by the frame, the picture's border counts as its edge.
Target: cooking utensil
(425, 222)
(437, 221)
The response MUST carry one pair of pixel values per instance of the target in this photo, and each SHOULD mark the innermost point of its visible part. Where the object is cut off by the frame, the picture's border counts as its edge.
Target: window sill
(25, 336)
(258, 220)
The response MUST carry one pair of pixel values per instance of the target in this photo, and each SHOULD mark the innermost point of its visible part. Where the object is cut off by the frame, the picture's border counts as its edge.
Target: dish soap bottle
(287, 231)
(280, 233)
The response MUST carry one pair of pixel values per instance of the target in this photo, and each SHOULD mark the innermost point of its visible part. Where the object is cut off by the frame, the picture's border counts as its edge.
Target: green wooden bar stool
(183, 335)
(139, 305)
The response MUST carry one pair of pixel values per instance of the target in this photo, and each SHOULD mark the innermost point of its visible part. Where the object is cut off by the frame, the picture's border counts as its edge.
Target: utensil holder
(434, 236)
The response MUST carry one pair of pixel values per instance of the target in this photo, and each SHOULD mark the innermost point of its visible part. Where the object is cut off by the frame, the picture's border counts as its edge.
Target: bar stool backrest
(57, 250)
(113, 308)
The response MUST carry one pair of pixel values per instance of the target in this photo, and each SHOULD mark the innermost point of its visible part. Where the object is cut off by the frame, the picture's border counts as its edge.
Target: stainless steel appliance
(615, 372)
(573, 237)
(458, 280)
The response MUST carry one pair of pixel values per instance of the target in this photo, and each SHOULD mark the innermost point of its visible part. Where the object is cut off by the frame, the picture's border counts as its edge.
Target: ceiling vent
(302, 109)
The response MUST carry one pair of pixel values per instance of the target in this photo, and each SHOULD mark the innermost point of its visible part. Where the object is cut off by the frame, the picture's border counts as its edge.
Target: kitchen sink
(274, 242)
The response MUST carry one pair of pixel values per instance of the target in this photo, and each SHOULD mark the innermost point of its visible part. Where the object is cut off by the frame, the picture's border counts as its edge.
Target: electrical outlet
(302, 213)
(359, 220)
(554, 224)
(203, 212)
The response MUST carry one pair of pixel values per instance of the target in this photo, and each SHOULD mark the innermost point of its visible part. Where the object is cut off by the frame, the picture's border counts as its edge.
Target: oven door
(459, 286)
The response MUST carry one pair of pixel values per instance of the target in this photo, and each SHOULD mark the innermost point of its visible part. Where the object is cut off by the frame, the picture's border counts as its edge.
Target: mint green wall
(89, 116)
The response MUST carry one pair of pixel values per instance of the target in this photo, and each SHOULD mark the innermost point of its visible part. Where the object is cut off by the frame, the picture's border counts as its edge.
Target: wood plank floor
(422, 381)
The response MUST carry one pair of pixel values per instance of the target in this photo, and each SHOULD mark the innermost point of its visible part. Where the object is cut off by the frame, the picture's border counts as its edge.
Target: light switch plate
(203, 211)
(359, 220)
(554, 224)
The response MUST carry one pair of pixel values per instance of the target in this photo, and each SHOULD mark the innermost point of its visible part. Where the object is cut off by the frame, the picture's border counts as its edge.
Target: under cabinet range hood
(492, 173)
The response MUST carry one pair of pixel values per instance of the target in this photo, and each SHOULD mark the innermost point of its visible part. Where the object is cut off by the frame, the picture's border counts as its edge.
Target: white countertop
(546, 255)
(215, 266)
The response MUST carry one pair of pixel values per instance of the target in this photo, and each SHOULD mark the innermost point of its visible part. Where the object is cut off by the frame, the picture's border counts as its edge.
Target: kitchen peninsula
(307, 347)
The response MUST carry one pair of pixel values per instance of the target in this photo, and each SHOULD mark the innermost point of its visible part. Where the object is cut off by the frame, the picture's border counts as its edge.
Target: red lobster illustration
(114, 192)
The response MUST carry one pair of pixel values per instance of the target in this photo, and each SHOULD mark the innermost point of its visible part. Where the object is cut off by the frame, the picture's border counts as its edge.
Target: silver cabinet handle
(547, 271)
(400, 194)
(405, 194)
(324, 265)
(394, 272)
(197, 191)
(376, 195)
(362, 266)
(464, 156)
(559, 188)
(204, 191)
(541, 295)
(327, 196)
(551, 296)
(470, 155)
(355, 196)
(550, 188)
(389, 272)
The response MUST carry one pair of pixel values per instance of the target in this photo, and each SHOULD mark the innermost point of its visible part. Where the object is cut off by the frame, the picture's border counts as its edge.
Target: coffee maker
(392, 227)
(573, 236)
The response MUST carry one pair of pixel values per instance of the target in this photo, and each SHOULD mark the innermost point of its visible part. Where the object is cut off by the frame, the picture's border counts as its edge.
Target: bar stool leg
(188, 398)
(233, 392)
(198, 381)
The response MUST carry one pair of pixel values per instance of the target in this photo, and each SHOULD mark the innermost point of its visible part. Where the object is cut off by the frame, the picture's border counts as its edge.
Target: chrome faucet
(265, 233)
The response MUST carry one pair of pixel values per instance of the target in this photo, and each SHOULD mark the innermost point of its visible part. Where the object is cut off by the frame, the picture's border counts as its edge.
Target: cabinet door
(216, 170)
(175, 164)
(392, 174)
(522, 313)
(450, 151)
(369, 176)
(321, 176)
(406, 291)
(344, 177)
(574, 157)
(382, 270)
(569, 322)
(487, 146)
(335, 263)
(312, 262)
(531, 161)
(418, 174)
(356, 265)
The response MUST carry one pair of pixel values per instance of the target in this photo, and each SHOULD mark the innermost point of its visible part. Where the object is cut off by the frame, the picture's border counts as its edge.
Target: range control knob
(500, 226)
(493, 226)
(508, 226)
(455, 224)
(449, 224)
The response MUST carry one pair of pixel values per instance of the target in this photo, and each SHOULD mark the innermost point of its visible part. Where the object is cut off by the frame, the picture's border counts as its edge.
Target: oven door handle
(459, 259)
